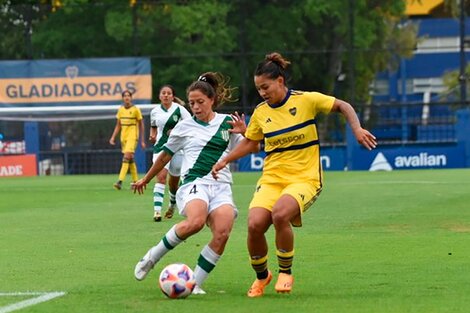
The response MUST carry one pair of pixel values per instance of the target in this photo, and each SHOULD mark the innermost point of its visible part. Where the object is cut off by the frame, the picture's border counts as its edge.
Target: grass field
(373, 242)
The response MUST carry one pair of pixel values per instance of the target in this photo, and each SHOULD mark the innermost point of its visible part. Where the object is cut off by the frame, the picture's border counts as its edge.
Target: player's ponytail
(179, 101)
(273, 66)
(215, 86)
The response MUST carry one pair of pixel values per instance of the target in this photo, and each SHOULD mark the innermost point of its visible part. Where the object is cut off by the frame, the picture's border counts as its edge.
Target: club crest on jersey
(225, 135)
(293, 111)
(175, 118)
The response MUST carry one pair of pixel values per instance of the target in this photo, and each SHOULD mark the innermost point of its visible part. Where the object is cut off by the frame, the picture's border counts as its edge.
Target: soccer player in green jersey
(163, 118)
(204, 139)
(292, 174)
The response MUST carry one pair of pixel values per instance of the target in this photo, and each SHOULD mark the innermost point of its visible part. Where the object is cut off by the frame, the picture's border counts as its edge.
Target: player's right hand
(139, 186)
(217, 167)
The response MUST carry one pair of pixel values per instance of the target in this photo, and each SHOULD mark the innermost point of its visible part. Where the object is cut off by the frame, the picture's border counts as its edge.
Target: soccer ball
(177, 281)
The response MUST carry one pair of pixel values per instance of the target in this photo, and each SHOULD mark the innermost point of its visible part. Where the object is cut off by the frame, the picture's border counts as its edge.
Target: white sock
(205, 264)
(172, 199)
(168, 242)
(158, 193)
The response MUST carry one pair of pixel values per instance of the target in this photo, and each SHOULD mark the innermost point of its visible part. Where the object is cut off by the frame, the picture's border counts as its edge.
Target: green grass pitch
(373, 242)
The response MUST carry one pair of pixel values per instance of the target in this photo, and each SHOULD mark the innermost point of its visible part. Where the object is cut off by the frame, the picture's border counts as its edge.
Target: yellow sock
(124, 169)
(285, 260)
(260, 265)
(133, 168)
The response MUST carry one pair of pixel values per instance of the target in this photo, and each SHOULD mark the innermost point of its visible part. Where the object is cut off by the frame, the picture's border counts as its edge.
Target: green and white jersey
(203, 145)
(165, 120)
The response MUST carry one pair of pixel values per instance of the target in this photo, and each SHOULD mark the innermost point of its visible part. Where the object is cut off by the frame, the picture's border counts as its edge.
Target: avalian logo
(380, 163)
(293, 111)
(71, 71)
(423, 159)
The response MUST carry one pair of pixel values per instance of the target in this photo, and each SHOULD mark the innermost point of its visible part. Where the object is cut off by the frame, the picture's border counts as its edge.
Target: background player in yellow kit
(130, 123)
(292, 174)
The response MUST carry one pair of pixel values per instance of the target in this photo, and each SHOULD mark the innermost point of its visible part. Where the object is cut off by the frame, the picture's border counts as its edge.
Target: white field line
(41, 297)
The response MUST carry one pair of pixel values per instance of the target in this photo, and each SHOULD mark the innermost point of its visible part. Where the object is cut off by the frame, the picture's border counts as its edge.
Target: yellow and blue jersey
(129, 118)
(290, 136)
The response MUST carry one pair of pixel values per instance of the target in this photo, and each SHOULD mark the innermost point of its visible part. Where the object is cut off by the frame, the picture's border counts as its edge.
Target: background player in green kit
(163, 118)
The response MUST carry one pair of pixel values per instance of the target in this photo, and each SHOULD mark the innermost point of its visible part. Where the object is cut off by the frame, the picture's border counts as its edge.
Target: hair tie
(202, 78)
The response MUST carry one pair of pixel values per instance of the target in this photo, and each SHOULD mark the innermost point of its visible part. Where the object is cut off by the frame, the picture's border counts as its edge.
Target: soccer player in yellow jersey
(292, 174)
(130, 123)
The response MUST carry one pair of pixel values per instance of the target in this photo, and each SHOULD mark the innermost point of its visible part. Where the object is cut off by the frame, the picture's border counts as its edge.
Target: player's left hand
(365, 138)
(139, 186)
(238, 123)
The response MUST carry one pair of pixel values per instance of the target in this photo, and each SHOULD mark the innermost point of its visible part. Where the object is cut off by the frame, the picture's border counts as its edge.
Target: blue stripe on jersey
(288, 129)
(295, 147)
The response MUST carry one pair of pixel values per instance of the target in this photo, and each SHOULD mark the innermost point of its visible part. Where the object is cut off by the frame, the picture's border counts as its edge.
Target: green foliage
(75, 31)
(185, 38)
(452, 82)
(118, 25)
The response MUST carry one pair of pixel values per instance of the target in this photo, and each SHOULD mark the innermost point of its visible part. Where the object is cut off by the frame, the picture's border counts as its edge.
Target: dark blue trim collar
(280, 104)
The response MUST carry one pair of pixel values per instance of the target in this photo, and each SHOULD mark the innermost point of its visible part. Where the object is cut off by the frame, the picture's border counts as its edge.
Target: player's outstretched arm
(140, 185)
(363, 136)
(245, 147)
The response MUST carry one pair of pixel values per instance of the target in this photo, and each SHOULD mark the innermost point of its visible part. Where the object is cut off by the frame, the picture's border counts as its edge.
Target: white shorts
(174, 166)
(214, 195)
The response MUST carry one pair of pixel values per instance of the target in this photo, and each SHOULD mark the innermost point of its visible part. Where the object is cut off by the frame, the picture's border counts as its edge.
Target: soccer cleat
(257, 288)
(144, 266)
(118, 185)
(198, 291)
(157, 217)
(284, 283)
(169, 213)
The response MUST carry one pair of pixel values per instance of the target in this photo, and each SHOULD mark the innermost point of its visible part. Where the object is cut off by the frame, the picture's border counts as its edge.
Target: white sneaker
(198, 291)
(144, 266)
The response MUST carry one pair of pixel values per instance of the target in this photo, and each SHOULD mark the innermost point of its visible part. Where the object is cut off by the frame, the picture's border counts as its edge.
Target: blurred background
(400, 63)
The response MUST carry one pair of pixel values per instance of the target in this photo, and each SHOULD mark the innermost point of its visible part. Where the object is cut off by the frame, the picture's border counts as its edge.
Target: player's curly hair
(273, 66)
(215, 86)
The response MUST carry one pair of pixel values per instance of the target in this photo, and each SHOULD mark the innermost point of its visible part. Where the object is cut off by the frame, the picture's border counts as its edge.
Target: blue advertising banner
(332, 159)
(74, 82)
(409, 157)
(381, 159)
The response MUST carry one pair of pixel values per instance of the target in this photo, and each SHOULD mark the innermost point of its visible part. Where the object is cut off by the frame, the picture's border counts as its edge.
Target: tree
(185, 38)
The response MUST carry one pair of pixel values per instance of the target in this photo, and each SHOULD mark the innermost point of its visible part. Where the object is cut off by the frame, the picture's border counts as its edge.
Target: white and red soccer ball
(177, 281)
